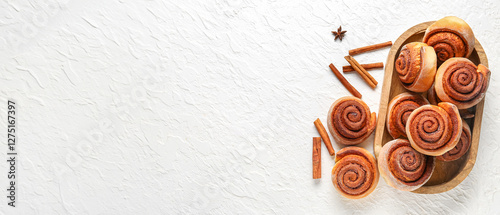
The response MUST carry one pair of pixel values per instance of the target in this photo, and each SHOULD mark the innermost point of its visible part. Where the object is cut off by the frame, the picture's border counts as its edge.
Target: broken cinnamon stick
(324, 136)
(364, 74)
(365, 66)
(316, 157)
(369, 48)
(344, 82)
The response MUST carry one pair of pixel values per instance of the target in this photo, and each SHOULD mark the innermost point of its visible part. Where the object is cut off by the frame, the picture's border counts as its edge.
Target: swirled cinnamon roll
(399, 110)
(416, 66)
(349, 120)
(462, 146)
(434, 130)
(402, 167)
(450, 37)
(355, 174)
(462, 83)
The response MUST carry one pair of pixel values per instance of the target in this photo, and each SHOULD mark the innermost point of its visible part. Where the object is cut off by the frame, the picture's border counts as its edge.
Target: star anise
(339, 33)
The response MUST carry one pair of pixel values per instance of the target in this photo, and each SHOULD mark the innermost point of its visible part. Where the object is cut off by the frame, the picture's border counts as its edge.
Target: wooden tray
(446, 175)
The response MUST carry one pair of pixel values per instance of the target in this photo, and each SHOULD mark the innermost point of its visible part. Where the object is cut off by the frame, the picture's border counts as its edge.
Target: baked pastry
(434, 100)
(432, 97)
(462, 146)
(399, 110)
(349, 121)
(402, 167)
(462, 83)
(416, 66)
(450, 37)
(434, 130)
(355, 174)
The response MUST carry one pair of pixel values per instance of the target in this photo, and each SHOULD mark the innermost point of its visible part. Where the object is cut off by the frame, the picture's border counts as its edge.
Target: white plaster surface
(185, 107)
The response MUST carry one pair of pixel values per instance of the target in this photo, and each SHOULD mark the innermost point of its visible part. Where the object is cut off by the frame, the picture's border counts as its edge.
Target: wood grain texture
(447, 175)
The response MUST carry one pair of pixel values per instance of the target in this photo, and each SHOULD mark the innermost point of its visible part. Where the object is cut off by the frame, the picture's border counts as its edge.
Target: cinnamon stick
(369, 48)
(365, 66)
(344, 82)
(364, 74)
(324, 136)
(316, 157)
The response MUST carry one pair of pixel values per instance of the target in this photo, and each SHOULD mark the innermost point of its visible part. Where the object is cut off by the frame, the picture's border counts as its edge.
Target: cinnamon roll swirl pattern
(462, 83)
(416, 66)
(355, 174)
(450, 37)
(434, 130)
(399, 110)
(462, 146)
(402, 167)
(349, 120)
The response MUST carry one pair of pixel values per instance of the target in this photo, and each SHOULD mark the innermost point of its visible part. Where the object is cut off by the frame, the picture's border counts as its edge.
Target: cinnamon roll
(432, 97)
(450, 37)
(434, 100)
(462, 83)
(434, 130)
(416, 66)
(355, 174)
(399, 110)
(462, 146)
(349, 120)
(402, 167)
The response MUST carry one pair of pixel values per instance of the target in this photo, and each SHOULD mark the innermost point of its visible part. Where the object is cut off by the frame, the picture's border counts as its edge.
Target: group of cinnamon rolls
(439, 64)
(350, 122)
(422, 131)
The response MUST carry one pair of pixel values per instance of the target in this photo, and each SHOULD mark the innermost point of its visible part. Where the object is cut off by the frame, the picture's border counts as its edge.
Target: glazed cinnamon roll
(399, 110)
(462, 146)
(402, 167)
(416, 66)
(355, 174)
(462, 83)
(450, 37)
(349, 120)
(434, 130)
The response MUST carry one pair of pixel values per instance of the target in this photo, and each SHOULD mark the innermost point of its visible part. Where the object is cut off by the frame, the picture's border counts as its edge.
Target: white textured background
(150, 107)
